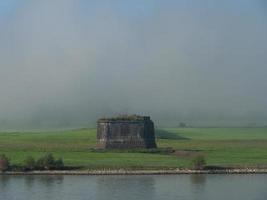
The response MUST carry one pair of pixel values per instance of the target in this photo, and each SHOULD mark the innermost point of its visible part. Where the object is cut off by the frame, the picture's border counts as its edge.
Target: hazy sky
(68, 62)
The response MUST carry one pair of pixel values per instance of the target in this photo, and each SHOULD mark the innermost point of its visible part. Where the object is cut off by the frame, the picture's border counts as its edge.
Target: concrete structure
(125, 132)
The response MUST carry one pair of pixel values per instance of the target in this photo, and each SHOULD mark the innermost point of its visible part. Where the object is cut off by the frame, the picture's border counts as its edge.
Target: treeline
(46, 162)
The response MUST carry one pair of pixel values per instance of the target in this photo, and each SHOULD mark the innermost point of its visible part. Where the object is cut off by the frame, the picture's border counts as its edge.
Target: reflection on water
(169, 187)
(46, 181)
(198, 186)
(30, 181)
(124, 186)
(198, 179)
(4, 181)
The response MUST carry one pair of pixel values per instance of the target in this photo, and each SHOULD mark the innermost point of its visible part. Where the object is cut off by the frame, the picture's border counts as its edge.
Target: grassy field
(238, 147)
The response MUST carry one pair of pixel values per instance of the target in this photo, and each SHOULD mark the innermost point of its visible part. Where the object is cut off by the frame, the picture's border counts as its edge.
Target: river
(144, 187)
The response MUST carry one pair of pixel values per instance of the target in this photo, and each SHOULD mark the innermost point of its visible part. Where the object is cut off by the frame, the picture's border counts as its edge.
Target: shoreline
(139, 172)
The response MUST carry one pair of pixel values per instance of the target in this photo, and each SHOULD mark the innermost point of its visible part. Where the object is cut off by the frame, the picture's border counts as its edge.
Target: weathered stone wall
(126, 134)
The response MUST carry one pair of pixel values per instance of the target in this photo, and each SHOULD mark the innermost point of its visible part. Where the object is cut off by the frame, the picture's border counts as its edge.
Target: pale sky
(69, 62)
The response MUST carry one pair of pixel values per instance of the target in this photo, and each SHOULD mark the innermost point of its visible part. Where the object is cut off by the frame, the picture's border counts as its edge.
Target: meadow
(227, 147)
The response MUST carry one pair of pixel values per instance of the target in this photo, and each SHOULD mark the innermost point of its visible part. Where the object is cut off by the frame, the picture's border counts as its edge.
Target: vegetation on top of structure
(124, 118)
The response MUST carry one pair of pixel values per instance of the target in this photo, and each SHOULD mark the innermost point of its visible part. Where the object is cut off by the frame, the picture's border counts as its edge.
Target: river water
(145, 187)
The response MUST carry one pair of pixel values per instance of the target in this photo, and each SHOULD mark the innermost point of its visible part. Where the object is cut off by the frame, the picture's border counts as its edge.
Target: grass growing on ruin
(220, 146)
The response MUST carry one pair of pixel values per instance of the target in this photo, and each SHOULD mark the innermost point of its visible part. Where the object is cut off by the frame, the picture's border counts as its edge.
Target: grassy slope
(221, 146)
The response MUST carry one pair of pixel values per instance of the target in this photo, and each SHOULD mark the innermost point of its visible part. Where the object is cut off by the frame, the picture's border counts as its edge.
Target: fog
(65, 63)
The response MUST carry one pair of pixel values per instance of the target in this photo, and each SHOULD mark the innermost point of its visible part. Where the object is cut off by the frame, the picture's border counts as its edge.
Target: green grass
(245, 147)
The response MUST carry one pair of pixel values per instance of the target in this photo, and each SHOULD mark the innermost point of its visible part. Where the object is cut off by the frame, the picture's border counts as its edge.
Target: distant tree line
(182, 125)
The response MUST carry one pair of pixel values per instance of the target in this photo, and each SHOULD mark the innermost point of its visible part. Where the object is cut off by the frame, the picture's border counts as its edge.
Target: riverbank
(224, 147)
(139, 172)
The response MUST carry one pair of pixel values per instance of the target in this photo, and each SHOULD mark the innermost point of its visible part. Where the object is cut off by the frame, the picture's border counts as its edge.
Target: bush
(4, 163)
(17, 168)
(29, 163)
(199, 162)
(59, 164)
(45, 162)
(39, 163)
(48, 162)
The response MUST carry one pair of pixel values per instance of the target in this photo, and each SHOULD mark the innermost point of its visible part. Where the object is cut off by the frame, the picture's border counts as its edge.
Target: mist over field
(65, 63)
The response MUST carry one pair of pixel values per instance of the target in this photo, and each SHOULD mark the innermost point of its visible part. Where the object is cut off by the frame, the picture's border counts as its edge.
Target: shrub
(4, 163)
(39, 163)
(17, 168)
(199, 162)
(45, 162)
(59, 164)
(29, 163)
(48, 162)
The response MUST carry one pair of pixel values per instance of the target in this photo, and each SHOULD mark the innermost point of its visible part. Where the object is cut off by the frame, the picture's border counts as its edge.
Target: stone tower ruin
(125, 132)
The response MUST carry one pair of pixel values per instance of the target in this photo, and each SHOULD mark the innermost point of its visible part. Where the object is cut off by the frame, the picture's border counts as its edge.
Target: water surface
(145, 187)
